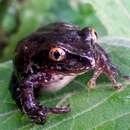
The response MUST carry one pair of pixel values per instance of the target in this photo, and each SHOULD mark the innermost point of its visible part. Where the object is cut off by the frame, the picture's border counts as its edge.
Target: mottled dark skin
(34, 70)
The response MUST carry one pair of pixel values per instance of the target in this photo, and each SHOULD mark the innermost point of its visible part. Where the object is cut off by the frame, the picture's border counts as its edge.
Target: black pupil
(56, 54)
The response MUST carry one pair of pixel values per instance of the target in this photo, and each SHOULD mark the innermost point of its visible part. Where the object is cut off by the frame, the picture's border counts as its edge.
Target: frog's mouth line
(76, 72)
(79, 66)
(72, 72)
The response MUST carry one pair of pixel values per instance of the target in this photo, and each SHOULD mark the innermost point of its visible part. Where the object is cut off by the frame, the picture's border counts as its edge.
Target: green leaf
(101, 109)
(114, 15)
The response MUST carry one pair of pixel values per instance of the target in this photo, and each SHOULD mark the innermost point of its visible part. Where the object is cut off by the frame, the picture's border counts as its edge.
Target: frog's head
(73, 52)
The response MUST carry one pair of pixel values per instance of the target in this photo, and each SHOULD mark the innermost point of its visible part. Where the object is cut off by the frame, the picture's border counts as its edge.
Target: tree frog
(50, 58)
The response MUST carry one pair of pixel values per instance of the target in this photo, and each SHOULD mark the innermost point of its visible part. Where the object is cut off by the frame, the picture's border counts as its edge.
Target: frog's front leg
(104, 66)
(92, 81)
(29, 104)
(109, 71)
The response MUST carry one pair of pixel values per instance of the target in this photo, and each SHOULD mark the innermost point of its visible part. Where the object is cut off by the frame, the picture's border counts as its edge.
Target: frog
(50, 58)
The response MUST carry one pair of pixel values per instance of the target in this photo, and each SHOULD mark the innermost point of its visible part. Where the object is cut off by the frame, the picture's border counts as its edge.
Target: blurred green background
(18, 18)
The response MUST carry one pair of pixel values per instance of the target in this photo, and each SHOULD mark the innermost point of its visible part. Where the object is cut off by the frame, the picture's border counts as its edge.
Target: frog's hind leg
(30, 105)
(15, 90)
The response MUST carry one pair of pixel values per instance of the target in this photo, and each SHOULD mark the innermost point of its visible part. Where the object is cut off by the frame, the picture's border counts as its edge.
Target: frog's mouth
(76, 68)
(78, 65)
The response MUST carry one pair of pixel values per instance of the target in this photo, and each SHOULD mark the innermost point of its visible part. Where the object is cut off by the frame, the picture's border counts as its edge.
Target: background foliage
(101, 109)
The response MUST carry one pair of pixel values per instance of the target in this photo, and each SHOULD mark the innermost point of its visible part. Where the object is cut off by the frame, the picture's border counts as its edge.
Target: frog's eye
(56, 54)
(88, 34)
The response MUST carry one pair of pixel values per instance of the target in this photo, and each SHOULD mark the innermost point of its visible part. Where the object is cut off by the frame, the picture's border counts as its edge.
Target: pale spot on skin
(25, 47)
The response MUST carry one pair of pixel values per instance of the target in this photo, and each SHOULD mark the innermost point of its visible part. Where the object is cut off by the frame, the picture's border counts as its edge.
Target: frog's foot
(118, 86)
(111, 74)
(91, 84)
(60, 110)
(39, 115)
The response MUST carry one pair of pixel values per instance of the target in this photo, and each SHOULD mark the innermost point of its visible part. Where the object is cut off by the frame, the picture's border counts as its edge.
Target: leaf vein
(104, 122)
(82, 113)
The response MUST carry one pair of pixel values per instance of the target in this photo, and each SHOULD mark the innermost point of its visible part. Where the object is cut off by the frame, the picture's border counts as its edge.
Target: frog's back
(42, 39)
(61, 26)
(58, 31)
(49, 35)
(62, 32)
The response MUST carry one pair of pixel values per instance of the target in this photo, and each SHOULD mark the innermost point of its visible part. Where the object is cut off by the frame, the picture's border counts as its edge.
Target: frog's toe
(91, 84)
(60, 110)
(118, 86)
(39, 116)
